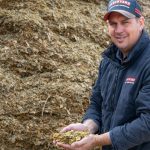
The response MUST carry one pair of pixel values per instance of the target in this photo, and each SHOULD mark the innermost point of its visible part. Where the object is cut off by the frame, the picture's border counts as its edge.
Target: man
(118, 116)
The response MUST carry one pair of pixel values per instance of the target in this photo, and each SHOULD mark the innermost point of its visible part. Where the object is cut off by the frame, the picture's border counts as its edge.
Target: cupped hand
(73, 126)
(76, 127)
(86, 143)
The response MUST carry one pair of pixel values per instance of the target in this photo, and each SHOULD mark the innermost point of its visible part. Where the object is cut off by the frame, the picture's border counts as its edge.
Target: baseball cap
(128, 8)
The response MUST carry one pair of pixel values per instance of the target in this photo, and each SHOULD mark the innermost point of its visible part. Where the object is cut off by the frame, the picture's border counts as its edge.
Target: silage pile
(49, 55)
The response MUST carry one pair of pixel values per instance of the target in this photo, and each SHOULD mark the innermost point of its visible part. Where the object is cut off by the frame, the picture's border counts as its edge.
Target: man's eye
(125, 22)
(112, 24)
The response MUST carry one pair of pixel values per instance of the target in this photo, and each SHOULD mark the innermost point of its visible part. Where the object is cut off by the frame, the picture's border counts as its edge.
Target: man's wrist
(102, 139)
(91, 126)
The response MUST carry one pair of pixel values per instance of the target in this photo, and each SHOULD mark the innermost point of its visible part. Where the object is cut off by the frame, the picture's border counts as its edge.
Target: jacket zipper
(114, 93)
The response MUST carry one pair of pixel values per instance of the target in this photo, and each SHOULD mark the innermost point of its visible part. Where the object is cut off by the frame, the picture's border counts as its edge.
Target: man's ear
(107, 29)
(142, 23)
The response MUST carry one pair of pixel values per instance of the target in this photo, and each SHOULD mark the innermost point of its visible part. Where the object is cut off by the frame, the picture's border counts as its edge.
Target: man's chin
(121, 46)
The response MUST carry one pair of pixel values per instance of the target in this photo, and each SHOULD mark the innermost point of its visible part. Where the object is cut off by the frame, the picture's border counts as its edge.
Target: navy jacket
(120, 100)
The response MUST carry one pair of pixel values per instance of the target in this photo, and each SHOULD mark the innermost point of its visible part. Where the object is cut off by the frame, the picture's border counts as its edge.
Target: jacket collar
(112, 53)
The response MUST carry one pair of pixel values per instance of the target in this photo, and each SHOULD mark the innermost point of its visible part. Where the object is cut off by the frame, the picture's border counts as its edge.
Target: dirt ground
(49, 55)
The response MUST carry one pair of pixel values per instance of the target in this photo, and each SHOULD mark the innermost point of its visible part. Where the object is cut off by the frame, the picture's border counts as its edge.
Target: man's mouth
(120, 38)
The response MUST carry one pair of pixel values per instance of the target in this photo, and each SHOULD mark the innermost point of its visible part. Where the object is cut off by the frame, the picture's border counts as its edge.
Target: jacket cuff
(119, 140)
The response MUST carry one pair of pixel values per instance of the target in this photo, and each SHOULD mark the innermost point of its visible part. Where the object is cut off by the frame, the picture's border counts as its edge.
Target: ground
(49, 56)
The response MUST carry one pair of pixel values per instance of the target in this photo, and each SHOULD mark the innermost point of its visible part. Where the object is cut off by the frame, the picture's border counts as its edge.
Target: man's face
(124, 32)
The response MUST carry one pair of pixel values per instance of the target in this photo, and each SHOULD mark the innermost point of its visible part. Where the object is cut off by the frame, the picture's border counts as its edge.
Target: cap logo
(120, 2)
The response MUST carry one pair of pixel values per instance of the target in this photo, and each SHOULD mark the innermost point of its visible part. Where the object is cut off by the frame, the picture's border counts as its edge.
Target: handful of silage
(70, 136)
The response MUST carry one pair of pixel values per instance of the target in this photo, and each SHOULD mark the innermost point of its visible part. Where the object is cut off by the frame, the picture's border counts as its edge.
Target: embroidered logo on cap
(125, 3)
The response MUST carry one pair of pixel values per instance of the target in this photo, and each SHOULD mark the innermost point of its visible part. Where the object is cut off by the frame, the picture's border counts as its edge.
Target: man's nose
(119, 28)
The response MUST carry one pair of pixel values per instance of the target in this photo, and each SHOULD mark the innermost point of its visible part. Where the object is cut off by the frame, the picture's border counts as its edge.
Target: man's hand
(87, 125)
(76, 127)
(73, 126)
(86, 143)
(89, 142)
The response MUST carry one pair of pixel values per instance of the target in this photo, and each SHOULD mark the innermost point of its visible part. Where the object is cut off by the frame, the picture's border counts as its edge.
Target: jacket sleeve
(138, 131)
(94, 110)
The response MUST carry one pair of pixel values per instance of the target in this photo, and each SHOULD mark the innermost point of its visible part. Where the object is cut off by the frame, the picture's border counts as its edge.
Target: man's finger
(65, 146)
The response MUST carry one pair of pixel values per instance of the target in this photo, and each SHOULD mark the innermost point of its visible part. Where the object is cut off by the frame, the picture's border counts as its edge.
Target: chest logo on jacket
(130, 80)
